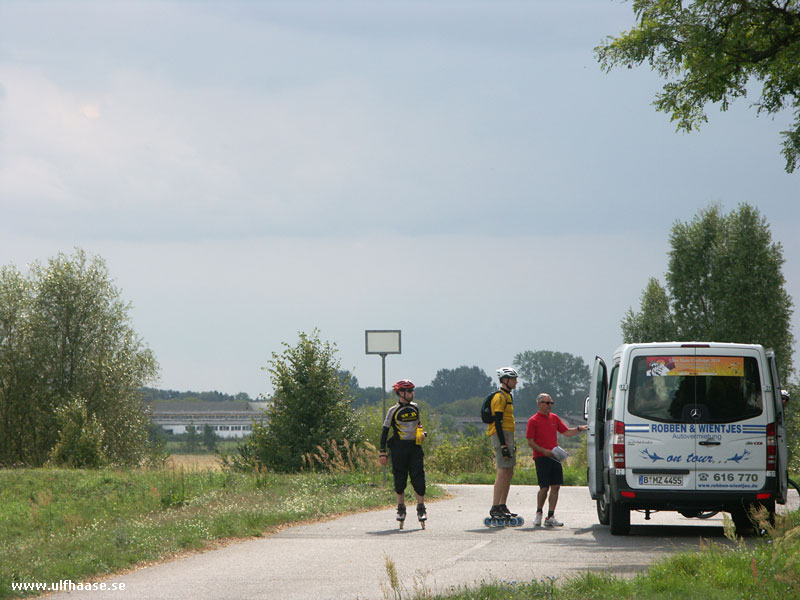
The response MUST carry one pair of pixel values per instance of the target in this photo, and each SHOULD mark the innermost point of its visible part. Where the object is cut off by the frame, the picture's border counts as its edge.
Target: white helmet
(506, 372)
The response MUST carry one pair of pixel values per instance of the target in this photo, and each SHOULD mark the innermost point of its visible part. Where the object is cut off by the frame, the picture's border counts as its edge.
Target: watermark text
(67, 585)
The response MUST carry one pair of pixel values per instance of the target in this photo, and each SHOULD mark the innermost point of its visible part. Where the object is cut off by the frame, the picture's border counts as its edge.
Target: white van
(688, 427)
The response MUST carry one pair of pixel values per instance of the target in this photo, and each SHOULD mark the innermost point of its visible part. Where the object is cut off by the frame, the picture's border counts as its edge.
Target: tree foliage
(210, 438)
(311, 406)
(150, 394)
(64, 334)
(451, 385)
(361, 396)
(710, 51)
(562, 375)
(724, 284)
(655, 321)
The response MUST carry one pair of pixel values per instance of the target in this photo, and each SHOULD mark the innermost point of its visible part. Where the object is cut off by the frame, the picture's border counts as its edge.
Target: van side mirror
(586, 409)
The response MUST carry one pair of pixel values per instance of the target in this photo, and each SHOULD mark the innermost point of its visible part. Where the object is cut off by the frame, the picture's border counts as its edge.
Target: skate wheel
(487, 522)
(512, 521)
(520, 521)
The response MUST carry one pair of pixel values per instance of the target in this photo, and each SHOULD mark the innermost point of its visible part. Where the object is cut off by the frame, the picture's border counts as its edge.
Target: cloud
(463, 171)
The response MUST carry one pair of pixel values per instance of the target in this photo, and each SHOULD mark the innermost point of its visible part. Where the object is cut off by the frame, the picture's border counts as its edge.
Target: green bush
(469, 453)
(80, 437)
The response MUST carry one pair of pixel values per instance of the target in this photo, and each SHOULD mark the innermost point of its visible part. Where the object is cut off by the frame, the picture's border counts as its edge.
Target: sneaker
(537, 522)
(552, 522)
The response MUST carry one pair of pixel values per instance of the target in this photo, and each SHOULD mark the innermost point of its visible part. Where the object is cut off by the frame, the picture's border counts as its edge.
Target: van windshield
(706, 389)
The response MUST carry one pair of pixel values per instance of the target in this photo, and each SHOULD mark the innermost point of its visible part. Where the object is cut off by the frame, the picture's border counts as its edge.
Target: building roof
(160, 408)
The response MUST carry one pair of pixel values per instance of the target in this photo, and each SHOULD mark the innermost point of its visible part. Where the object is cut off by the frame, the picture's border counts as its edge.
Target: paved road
(345, 558)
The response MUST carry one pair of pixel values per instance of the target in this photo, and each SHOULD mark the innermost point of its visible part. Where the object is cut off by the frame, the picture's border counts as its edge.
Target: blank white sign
(383, 341)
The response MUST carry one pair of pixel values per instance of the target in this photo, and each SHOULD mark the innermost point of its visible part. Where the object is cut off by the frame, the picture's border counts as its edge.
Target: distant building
(227, 419)
(520, 425)
(462, 423)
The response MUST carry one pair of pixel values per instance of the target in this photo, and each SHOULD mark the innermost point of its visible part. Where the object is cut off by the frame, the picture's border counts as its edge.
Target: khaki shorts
(502, 461)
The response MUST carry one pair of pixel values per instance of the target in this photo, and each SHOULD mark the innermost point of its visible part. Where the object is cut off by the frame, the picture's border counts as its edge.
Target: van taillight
(618, 445)
(772, 448)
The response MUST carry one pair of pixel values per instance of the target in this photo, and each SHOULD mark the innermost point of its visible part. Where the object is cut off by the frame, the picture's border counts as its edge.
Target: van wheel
(619, 518)
(770, 506)
(741, 521)
(602, 511)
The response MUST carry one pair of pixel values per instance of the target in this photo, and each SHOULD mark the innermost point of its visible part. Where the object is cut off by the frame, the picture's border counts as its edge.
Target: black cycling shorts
(548, 471)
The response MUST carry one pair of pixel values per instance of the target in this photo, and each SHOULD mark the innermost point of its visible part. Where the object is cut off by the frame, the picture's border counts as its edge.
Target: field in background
(195, 462)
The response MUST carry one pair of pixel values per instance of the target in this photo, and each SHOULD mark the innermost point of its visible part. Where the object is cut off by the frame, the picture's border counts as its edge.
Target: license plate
(661, 480)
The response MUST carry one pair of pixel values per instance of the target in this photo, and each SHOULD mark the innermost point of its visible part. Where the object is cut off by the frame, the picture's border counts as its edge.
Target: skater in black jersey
(403, 419)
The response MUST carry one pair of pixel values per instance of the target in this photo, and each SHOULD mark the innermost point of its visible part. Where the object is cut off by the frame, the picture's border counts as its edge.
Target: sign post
(383, 342)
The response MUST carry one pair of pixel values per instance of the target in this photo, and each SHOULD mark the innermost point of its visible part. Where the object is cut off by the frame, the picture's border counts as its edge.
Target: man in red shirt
(543, 429)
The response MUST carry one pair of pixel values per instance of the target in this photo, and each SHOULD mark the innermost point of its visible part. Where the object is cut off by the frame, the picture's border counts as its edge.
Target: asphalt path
(347, 558)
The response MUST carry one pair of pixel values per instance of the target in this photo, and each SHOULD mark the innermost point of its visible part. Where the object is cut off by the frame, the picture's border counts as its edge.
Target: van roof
(675, 345)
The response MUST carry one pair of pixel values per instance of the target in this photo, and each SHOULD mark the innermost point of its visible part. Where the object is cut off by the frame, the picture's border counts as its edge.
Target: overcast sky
(461, 171)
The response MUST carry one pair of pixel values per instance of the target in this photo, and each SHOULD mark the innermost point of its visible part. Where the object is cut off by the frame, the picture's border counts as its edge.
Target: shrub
(311, 406)
(469, 453)
(80, 437)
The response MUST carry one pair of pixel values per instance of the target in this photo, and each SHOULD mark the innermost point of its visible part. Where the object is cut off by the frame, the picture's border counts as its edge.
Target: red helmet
(403, 384)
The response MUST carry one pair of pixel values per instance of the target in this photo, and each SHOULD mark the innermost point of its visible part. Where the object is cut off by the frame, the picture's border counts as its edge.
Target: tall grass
(349, 458)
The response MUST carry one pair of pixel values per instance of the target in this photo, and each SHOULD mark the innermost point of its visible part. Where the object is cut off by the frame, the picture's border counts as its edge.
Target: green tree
(655, 321)
(311, 405)
(450, 385)
(22, 422)
(724, 283)
(562, 375)
(210, 438)
(192, 439)
(65, 333)
(361, 396)
(466, 407)
(711, 51)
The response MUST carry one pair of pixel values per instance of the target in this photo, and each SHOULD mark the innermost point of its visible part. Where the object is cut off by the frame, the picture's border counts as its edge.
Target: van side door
(780, 429)
(595, 412)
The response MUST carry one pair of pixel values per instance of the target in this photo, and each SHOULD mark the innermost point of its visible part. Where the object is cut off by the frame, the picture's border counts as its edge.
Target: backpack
(486, 409)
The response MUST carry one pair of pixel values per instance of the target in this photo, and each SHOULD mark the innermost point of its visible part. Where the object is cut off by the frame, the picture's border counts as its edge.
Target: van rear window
(706, 389)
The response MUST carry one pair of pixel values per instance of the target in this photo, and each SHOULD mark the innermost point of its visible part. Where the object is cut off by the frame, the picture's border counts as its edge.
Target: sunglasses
(546, 402)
